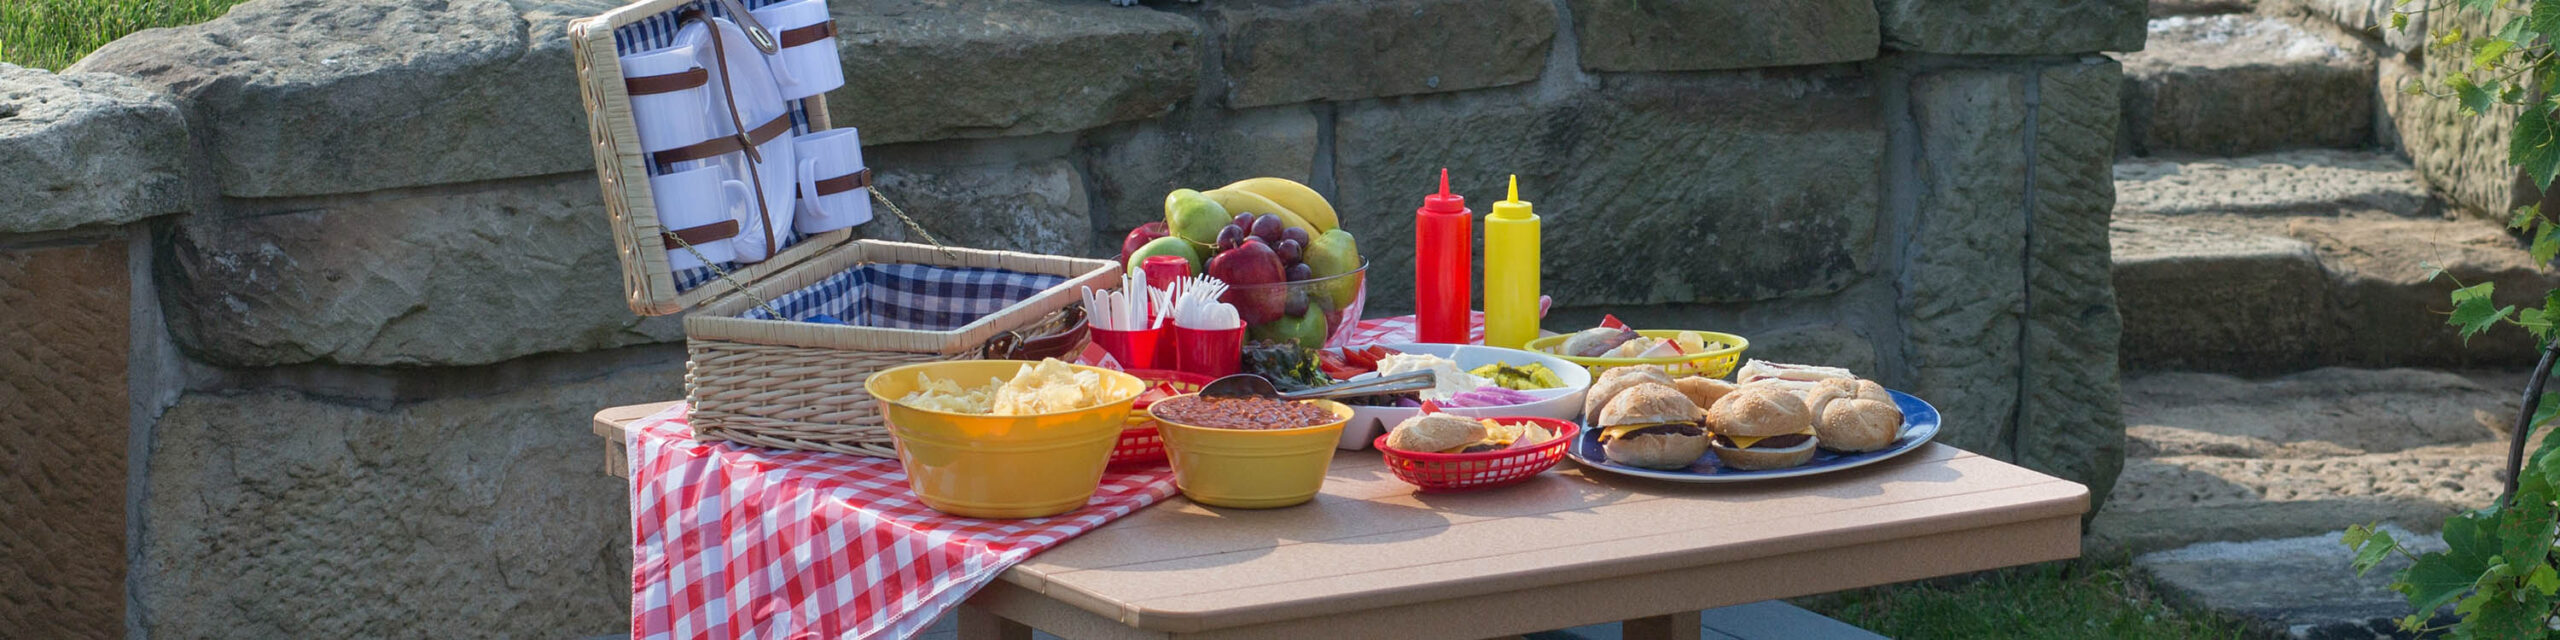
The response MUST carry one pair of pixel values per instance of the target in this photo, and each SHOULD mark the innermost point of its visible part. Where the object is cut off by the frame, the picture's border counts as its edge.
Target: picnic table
(1568, 548)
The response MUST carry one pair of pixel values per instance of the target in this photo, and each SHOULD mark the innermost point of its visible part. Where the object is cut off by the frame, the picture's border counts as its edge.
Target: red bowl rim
(1564, 435)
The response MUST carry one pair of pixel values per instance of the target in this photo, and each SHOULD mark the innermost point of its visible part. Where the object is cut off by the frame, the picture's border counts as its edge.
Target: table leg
(978, 624)
(1678, 626)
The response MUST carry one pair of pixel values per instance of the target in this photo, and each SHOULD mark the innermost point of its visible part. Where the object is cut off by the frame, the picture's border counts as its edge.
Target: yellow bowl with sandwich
(1004, 438)
(1217, 463)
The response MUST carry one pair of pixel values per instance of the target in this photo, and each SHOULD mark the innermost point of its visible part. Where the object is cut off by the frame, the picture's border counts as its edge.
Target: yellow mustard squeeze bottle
(1511, 272)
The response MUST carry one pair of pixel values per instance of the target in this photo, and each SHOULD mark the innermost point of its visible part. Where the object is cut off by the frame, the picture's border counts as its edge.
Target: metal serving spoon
(1246, 385)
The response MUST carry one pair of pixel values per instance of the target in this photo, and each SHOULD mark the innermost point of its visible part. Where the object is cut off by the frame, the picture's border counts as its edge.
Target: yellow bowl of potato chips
(1004, 438)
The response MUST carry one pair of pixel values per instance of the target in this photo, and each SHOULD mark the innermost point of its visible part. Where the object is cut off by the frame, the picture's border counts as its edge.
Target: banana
(1241, 201)
(1300, 200)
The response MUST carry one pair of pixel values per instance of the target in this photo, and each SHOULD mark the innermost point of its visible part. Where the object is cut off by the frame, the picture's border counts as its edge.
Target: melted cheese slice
(1745, 442)
(1613, 433)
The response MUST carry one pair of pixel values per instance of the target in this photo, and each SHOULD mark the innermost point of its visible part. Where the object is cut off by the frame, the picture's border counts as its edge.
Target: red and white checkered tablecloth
(730, 541)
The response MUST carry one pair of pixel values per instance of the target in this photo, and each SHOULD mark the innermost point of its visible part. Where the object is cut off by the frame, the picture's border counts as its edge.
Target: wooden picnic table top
(1567, 548)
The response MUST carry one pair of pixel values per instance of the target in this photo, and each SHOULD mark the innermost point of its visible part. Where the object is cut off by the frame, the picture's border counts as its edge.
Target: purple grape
(1301, 272)
(1298, 234)
(1244, 220)
(1296, 306)
(1250, 238)
(1288, 250)
(1267, 228)
(1230, 234)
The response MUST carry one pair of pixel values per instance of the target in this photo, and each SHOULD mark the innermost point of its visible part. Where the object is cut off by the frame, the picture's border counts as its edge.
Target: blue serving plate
(1919, 425)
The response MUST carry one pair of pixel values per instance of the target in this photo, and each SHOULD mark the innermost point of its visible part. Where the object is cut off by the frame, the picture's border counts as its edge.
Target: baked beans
(1241, 413)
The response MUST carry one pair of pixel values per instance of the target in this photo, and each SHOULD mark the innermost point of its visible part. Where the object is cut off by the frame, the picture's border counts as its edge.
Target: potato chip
(1050, 386)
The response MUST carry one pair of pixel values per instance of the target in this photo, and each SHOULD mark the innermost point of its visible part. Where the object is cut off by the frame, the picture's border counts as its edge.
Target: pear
(1194, 217)
(1331, 254)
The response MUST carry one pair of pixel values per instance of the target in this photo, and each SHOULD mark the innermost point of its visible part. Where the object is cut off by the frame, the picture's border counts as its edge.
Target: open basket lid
(650, 285)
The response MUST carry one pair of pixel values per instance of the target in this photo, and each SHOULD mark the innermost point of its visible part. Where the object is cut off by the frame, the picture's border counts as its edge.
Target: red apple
(1140, 236)
(1252, 272)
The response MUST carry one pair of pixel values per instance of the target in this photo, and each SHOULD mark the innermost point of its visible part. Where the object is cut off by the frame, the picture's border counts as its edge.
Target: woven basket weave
(774, 383)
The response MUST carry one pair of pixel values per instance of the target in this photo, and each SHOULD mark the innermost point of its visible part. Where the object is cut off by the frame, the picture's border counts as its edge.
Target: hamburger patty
(1665, 429)
(1771, 442)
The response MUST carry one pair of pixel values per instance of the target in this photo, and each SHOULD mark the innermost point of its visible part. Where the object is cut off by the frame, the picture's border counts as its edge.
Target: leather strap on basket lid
(745, 136)
(721, 230)
(724, 145)
(844, 183)
(667, 83)
(805, 35)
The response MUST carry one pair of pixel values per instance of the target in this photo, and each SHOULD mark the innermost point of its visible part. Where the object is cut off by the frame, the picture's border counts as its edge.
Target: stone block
(1714, 188)
(1968, 287)
(2199, 296)
(462, 275)
(2012, 27)
(274, 514)
(1279, 52)
(2241, 84)
(87, 149)
(2463, 156)
(1038, 206)
(1135, 164)
(310, 97)
(62, 386)
(987, 68)
(1828, 344)
(2297, 182)
(2070, 421)
(1671, 35)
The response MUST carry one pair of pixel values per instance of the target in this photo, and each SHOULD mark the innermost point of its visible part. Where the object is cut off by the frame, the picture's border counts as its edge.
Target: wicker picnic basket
(758, 373)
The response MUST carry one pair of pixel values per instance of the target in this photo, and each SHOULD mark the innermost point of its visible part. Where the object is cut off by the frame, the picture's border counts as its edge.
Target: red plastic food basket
(1454, 472)
(1139, 441)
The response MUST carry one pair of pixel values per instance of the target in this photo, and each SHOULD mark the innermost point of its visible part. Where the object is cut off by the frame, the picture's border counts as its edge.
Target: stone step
(2298, 182)
(2237, 84)
(2212, 457)
(2305, 586)
(2274, 293)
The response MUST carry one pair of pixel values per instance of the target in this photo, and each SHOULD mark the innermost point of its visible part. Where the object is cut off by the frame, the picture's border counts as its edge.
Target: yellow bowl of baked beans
(1249, 453)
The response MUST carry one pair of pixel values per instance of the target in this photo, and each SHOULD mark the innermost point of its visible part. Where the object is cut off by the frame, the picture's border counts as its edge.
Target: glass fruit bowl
(1317, 313)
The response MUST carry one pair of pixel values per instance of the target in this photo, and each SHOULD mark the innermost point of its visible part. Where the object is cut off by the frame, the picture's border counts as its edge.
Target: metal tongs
(1246, 385)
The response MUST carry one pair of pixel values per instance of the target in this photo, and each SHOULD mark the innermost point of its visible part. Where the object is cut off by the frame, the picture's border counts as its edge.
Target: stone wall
(371, 299)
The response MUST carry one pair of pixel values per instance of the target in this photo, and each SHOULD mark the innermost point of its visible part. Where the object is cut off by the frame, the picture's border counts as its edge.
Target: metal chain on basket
(724, 276)
(911, 222)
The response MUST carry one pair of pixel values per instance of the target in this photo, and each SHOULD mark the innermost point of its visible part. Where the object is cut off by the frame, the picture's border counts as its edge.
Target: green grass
(52, 34)
(2074, 600)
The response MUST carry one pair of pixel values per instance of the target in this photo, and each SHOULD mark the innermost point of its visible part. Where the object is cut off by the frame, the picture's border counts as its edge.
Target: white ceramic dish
(1562, 403)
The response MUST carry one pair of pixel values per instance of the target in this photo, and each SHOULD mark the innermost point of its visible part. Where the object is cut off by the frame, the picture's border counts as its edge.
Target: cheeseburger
(1761, 427)
(1651, 426)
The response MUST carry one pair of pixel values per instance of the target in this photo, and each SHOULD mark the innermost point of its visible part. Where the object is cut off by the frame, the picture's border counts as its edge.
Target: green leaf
(2488, 52)
(2545, 245)
(2377, 546)
(2544, 580)
(2543, 19)
(2474, 292)
(2400, 21)
(2355, 535)
(2524, 217)
(2475, 100)
(2438, 578)
(2476, 315)
(2535, 145)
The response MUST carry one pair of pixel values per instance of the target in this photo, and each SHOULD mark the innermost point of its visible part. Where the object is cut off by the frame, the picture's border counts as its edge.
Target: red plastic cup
(1163, 270)
(1208, 352)
(1141, 349)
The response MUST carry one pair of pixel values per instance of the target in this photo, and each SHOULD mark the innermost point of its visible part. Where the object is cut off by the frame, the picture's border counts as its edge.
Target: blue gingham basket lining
(659, 32)
(909, 296)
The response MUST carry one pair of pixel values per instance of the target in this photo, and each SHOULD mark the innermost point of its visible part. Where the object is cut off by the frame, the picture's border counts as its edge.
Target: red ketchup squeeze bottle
(1443, 266)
